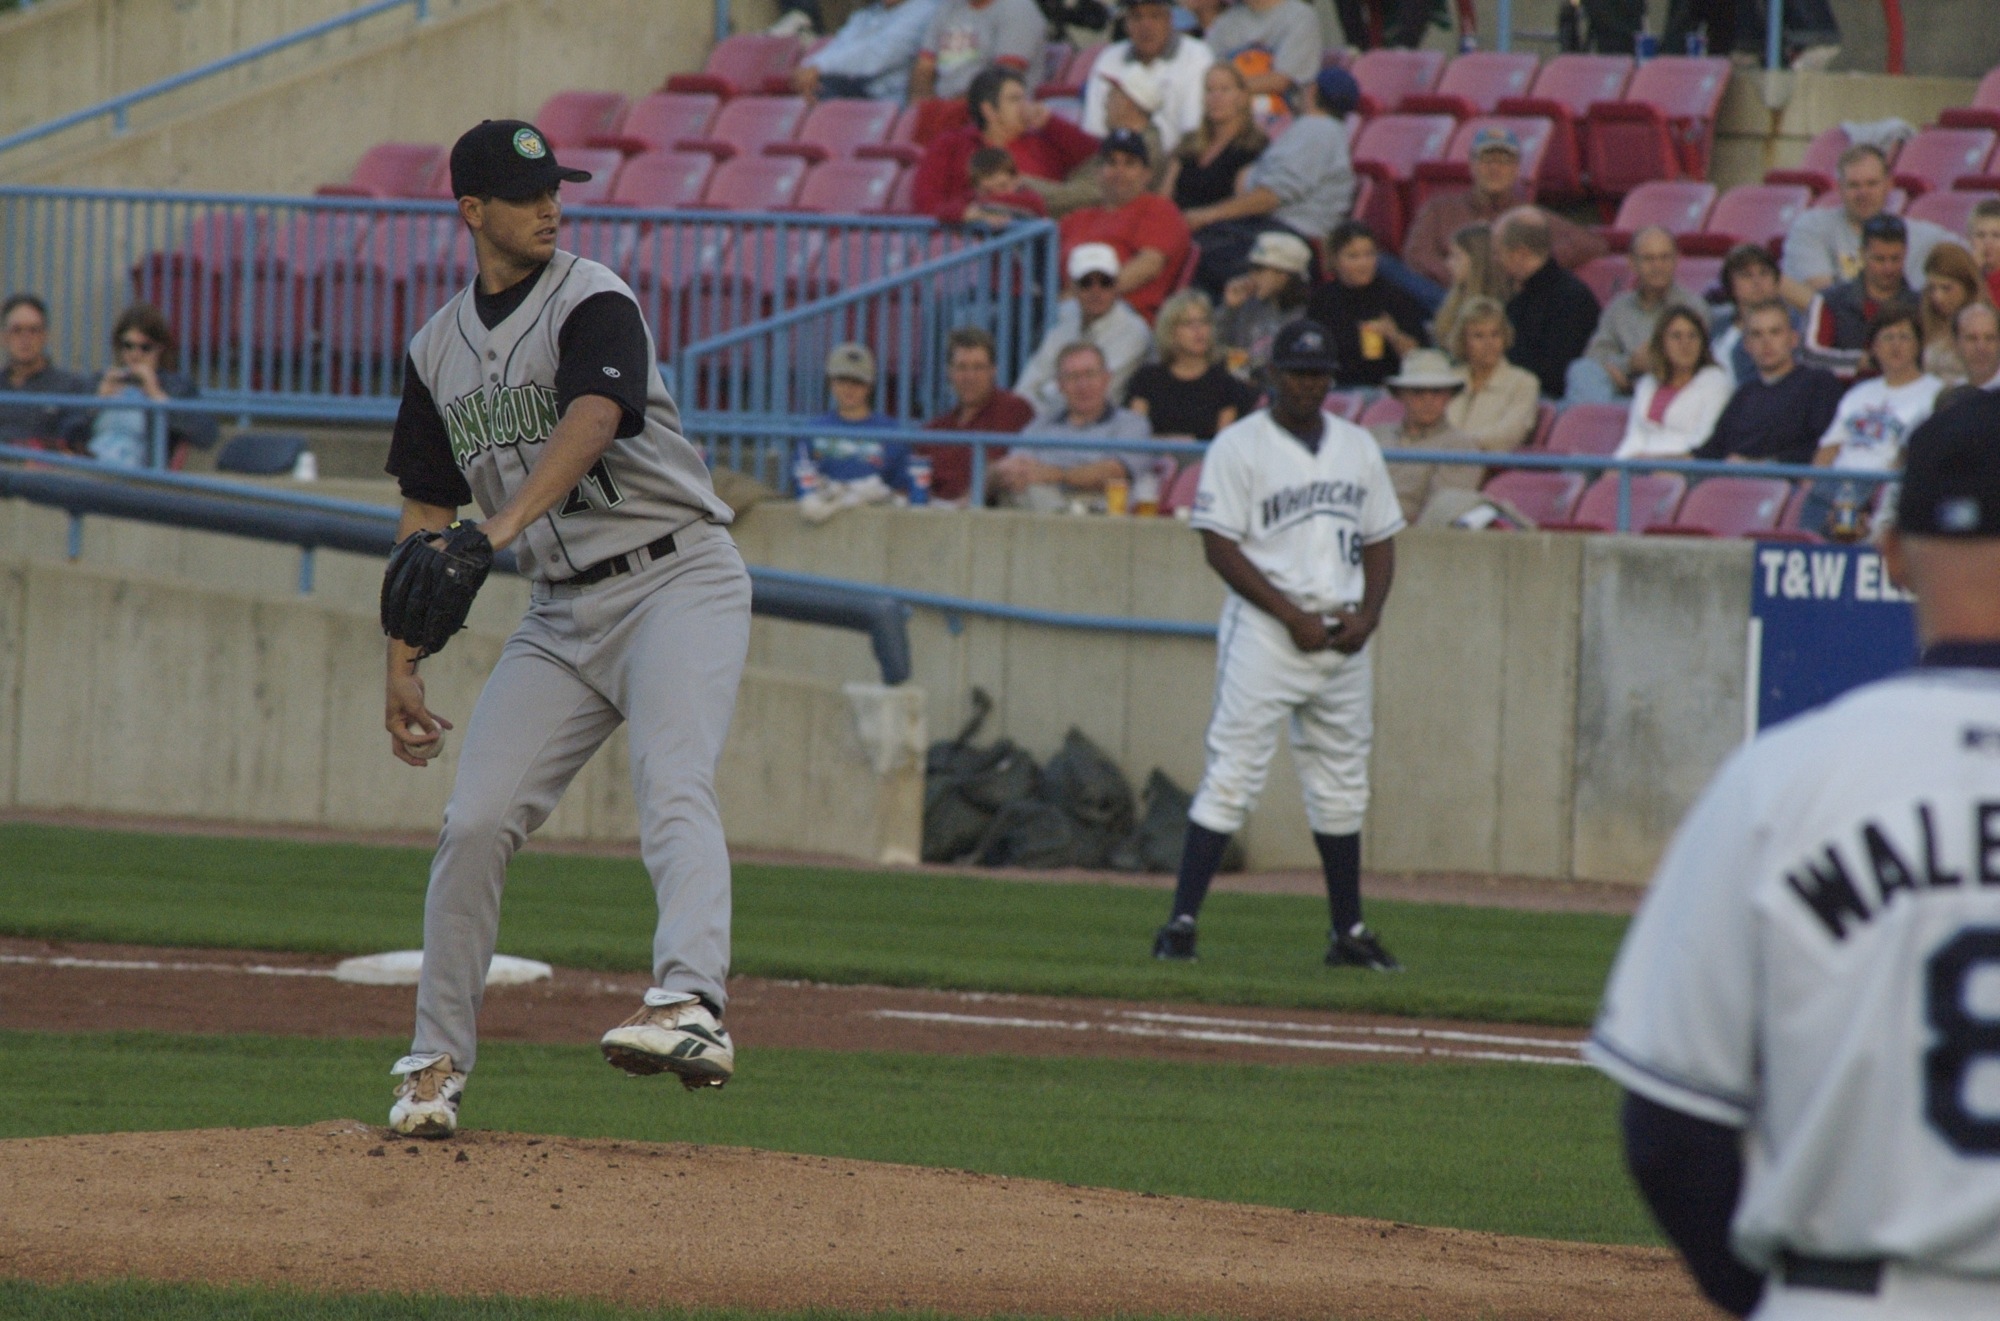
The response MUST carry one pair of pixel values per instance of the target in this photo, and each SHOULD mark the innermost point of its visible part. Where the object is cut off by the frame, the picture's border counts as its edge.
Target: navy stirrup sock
(1340, 856)
(1201, 858)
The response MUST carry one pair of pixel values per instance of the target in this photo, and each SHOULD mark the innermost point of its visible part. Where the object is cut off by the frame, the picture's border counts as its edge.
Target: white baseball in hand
(420, 742)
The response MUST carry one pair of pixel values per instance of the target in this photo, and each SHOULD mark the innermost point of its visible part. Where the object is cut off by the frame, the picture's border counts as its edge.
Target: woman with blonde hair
(1189, 391)
(1951, 280)
(1500, 403)
(1474, 274)
(1209, 162)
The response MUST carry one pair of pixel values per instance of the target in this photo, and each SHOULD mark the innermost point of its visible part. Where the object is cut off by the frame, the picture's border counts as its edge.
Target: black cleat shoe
(1175, 941)
(1359, 949)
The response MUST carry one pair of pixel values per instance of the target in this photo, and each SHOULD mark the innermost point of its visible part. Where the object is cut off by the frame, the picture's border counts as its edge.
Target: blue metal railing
(119, 107)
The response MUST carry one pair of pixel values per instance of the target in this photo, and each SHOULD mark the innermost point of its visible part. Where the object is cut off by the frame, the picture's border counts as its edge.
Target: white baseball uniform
(1301, 517)
(1818, 964)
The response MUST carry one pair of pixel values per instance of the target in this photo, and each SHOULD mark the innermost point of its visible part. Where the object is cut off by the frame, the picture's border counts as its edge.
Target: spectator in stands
(1474, 274)
(1978, 331)
(871, 55)
(29, 371)
(1276, 43)
(1984, 231)
(1553, 313)
(1262, 299)
(1824, 245)
(1094, 314)
(1425, 385)
(1303, 183)
(1129, 106)
(1951, 282)
(1839, 321)
(982, 406)
(1189, 392)
(997, 195)
(1781, 409)
(1047, 148)
(1677, 401)
(1144, 229)
(1208, 166)
(1170, 65)
(1616, 355)
(850, 378)
(1750, 278)
(1810, 36)
(1500, 404)
(1372, 322)
(967, 37)
(1202, 13)
(146, 365)
(1497, 187)
(1046, 480)
(1874, 420)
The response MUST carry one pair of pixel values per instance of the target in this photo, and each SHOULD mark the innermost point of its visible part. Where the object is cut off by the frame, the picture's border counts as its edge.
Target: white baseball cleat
(679, 1036)
(427, 1097)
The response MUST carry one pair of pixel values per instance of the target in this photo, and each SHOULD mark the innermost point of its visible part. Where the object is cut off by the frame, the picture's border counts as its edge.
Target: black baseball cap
(1303, 346)
(1128, 142)
(1951, 472)
(1885, 228)
(508, 159)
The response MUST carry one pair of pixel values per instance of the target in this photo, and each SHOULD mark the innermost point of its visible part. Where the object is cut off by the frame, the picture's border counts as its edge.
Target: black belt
(603, 569)
(1862, 1275)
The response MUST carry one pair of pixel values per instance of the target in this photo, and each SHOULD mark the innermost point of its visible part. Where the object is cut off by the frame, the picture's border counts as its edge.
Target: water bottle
(805, 476)
(1467, 43)
(1697, 44)
(920, 480)
(306, 469)
(1646, 47)
(1845, 524)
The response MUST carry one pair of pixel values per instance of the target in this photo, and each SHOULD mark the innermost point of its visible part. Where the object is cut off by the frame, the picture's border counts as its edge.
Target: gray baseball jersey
(1818, 963)
(497, 395)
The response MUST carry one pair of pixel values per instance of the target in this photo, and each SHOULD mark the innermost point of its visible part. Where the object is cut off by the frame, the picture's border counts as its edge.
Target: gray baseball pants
(661, 648)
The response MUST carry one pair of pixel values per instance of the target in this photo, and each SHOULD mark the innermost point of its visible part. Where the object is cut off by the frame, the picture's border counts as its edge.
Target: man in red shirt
(1148, 231)
(982, 406)
(1047, 148)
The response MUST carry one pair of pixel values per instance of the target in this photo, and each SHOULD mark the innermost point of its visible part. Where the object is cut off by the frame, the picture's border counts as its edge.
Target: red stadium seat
(1729, 507)
(1949, 207)
(1344, 404)
(569, 120)
(601, 240)
(1655, 497)
(903, 197)
(1607, 277)
(849, 188)
(1545, 422)
(1592, 429)
(1984, 112)
(1454, 171)
(1663, 128)
(390, 169)
(745, 63)
(1075, 73)
(603, 164)
(1180, 492)
(197, 283)
(663, 180)
(1756, 213)
(833, 130)
(1700, 275)
(1539, 495)
(396, 279)
(1049, 67)
(1387, 76)
(1938, 157)
(755, 183)
(1563, 93)
(1791, 520)
(1680, 208)
(1386, 409)
(748, 124)
(1821, 164)
(1475, 83)
(1389, 149)
(292, 269)
(658, 121)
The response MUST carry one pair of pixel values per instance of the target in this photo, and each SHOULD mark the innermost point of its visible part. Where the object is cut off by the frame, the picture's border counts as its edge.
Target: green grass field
(1514, 1149)
(796, 922)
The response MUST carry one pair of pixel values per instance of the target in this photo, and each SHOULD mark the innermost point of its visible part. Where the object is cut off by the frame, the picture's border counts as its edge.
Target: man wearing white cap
(1424, 387)
(1092, 314)
(1160, 70)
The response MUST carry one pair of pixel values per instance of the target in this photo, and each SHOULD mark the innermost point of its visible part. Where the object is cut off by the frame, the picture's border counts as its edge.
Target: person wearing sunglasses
(144, 365)
(24, 323)
(1092, 313)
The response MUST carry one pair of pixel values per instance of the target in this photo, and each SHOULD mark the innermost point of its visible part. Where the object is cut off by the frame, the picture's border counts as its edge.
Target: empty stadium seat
(1389, 149)
(748, 124)
(656, 122)
(1663, 127)
(1345, 404)
(663, 180)
(1475, 83)
(398, 276)
(196, 282)
(1679, 207)
(1821, 164)
(1729, 507)
(1540, 495)
(903, 197)
(1454, 170)
(1545, 422)
(1381, 411)
(746, 63)
(1593, 429)
(1983, 112)
(1563, 92)
(1939, 157)
(261, 453)
(755, 183)
(833, 130)
(1949, 207)
(569, 120)
(1756, 213)
(1607, 276)
(1387, 76)
(1180, 492)
(1700, 275)
(390, 169)
(849, 187)
(292, 269)
(602, 163)
(1655, 497)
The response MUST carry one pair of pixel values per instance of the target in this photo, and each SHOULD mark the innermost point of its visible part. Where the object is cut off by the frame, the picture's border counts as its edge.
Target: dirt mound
(343, 1206)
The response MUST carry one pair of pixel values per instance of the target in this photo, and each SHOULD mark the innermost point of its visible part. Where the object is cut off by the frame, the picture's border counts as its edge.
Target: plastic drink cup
(1146, 495)
(1117, 494)
(1373, 346)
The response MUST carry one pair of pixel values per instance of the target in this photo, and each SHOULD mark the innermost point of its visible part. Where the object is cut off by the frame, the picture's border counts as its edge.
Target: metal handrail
(118, 106)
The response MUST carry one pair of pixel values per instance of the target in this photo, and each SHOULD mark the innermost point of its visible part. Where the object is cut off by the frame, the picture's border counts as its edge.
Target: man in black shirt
(1778, 415)
(1553, 313)
(29, 371)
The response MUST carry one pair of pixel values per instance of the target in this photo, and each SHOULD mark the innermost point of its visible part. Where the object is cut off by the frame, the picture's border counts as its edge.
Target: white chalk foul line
(1240, 1038)
(154, 965)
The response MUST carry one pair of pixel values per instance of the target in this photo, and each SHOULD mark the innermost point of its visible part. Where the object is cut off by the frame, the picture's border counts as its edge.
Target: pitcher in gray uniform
(535, 393)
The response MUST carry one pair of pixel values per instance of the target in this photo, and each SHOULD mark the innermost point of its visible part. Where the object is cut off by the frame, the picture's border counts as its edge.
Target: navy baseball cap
(1951, 472)
(1885, 228)
(1338, 92)
(1126, 141)
(1303, 346)
(508, 159)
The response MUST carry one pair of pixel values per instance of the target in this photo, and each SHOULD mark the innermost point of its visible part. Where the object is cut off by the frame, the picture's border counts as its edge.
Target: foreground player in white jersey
(1296, 514)
(536, 393)
(1806, 1012)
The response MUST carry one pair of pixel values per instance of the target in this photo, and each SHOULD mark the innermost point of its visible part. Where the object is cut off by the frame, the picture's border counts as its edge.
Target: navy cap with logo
(1126, 141)
(1304, 346)
(1951, 472)
(508, 159)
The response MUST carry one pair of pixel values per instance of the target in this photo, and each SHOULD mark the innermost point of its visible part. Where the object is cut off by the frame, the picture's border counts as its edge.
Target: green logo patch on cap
(529, 143)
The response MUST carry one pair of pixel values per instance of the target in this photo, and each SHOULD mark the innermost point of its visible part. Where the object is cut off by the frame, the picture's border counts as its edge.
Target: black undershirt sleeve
(1690, 1172)
(602, 349)
(420, 449)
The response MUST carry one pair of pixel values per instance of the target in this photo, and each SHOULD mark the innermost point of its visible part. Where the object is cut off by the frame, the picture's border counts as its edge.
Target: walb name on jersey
(1310, 500)
(1834, 882)
(509, 415)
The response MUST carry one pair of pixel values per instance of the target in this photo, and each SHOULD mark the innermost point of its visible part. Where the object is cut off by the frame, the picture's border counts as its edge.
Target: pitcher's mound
(345, 1206)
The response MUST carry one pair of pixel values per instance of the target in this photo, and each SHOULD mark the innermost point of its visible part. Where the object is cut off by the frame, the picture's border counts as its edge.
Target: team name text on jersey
(1340, 499)
(508, 415)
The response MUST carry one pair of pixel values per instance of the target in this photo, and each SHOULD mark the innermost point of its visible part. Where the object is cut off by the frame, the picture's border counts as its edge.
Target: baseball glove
(428, 587)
